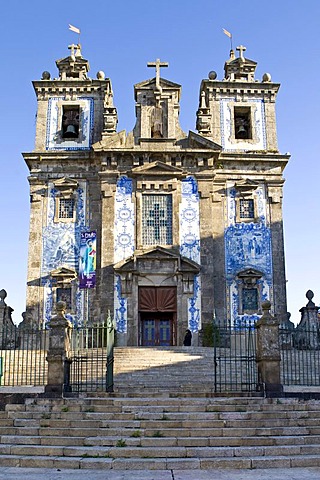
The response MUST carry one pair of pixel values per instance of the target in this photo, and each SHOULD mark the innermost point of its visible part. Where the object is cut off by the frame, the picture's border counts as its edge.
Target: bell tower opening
(70, 121)
(242, 123)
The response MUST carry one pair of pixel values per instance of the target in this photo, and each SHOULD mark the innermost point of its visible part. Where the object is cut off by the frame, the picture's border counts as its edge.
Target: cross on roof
(75, 50)
(72, 47)
(158, 64)
(241, 49)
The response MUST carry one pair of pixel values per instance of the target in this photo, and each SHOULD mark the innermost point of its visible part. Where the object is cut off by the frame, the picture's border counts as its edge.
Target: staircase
(180, 371)
(163, 415)
(163, 371)
(160, 433)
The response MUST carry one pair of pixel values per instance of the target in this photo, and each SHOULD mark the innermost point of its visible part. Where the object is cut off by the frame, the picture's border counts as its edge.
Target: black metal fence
(86, 368)
(300, 356)
(235, 368)
(23, 357)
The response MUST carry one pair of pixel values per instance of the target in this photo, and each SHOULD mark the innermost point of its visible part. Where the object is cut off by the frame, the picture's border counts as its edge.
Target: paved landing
(9, 473)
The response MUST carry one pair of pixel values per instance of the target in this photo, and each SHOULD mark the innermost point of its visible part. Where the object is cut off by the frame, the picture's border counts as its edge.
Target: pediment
(71, 61)
(250, 273)
(63, 272)
(246, 182)
(133, 263)
(151, 83)
(195, 140)
(246, 186)
(65, 182)
(157, 168)
(239, 62)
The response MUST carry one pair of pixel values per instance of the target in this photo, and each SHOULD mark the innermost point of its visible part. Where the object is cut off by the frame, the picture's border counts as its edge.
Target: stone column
(59, 350)
(268, 352)
(307, 335)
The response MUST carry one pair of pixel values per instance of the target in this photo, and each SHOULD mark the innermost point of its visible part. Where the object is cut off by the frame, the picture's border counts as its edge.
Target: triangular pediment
(241, 62)
(245, 182)
(157, 168)
(250, 273)
(158, 252)
(246, 186)
(63, 272)
(65, 182)
(71, 60)
(151, 83)
(196, 140)
(132, 263)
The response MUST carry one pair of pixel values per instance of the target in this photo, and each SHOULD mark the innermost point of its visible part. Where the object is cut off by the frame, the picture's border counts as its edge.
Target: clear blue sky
(120, 38)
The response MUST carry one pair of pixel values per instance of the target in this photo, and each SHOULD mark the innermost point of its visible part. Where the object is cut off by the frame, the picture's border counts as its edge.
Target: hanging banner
(87, 263)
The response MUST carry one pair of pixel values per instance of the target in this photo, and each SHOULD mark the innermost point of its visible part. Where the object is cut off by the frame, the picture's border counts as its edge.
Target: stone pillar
(59, 350)
(307, 334)
(268, 352)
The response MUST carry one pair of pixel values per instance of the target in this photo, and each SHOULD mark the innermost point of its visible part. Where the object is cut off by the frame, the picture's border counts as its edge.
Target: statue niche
(156, 121)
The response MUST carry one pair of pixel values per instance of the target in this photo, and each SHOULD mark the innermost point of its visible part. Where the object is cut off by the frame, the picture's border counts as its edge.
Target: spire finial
(241, 49)
(158, 64)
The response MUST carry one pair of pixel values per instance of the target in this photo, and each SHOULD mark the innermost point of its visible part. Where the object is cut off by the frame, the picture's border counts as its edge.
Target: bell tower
(74, 111)
(238, 113)
(157, 108)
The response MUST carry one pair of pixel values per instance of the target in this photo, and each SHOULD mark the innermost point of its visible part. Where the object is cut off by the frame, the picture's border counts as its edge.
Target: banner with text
(87, 264)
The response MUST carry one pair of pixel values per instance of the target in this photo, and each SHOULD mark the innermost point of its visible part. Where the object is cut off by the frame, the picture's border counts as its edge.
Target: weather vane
(75, 30)
(228, 35)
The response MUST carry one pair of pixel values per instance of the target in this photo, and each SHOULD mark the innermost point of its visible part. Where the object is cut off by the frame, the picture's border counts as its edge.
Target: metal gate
(89, 367)
(235, 367)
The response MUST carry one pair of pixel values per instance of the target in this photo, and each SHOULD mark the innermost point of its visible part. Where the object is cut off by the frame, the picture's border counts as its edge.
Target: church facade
(167, 230)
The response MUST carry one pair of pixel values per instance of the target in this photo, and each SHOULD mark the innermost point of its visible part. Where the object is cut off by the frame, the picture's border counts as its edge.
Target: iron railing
(235, 368)
(23, 357)
(300, 356)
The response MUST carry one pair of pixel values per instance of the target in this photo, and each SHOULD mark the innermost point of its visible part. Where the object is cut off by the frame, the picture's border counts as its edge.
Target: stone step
(123, 450)
(165, 463)
(151, 430)
(162, 414)
(137, 438)
(107, 404)
(150, 421)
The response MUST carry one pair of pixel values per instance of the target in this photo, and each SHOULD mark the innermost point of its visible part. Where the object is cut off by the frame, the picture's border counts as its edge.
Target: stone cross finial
(158, 64)
(72, 47)
(241, 49)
